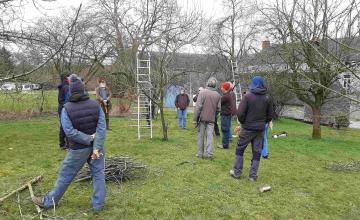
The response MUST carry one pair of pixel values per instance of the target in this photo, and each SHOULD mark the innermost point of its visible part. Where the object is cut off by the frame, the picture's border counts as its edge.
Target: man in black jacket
(63, 98)
(255, 109)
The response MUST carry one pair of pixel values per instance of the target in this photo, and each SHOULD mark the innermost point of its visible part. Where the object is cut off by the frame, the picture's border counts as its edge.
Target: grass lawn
(302, 187)
(28, 101)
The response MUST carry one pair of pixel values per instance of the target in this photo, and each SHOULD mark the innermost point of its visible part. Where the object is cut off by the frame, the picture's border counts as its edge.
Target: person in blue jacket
(84, 124)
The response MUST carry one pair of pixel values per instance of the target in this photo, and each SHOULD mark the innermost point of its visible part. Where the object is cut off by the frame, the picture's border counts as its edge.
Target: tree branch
(52, 56)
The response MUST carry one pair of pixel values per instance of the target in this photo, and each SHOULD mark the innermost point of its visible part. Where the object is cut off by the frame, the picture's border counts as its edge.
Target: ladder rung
(144, 60)
(142, 74)
(141, 119)
(143, 67)
(141, 126)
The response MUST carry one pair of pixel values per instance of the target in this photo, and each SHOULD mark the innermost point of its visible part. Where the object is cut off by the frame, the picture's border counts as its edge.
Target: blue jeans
(226, 129)
(265, 150)
(182, 117)
(73, 162)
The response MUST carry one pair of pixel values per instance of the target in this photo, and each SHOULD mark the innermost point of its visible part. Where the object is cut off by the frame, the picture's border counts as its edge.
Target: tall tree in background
(11, 34)
(178, 29)
(232, 36)
(131, 23)
(156, 25)
(6, 64)
(86, 48)
(304, 30)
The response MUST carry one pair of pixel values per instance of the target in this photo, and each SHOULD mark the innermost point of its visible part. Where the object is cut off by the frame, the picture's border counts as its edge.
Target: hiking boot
(234, 175)
(39, 201)
(266, 157)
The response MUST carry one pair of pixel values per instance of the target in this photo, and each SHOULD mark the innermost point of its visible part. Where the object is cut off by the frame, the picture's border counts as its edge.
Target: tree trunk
(162, 116)
(316, 122)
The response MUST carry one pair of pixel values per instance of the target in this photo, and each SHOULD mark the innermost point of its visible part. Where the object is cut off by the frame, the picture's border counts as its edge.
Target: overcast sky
(30, 11)
(212, 8)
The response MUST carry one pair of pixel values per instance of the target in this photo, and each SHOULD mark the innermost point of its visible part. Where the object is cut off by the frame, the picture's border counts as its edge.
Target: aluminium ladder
(237, 88)
(142, 111)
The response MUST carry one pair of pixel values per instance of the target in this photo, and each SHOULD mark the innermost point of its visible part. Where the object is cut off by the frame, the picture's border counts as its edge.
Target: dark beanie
(76, 85)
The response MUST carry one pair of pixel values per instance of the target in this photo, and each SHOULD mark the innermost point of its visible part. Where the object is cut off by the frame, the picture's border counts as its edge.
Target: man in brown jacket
(103, 95)
(182, 101)
(208, 102)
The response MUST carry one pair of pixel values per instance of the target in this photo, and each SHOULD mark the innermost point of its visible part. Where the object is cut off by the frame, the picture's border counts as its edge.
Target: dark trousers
(62, 136)
(106, 110)
(256, 139)
(226, 130)
(216, 126)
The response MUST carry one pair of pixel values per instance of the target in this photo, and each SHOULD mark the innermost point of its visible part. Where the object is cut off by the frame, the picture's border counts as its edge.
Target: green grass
(302, 187)
(28, 101)
(16, 102)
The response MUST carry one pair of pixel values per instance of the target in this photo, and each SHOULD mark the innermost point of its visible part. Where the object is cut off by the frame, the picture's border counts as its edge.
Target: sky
(211, 8)
(38, 8)
(33, 9)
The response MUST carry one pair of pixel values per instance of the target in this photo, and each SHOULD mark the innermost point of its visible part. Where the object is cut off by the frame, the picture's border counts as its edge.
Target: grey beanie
(76, 84)
(212, 82)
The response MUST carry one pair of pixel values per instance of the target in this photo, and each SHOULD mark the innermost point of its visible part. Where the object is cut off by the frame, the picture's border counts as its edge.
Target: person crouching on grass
(255, 110)
(84, 124)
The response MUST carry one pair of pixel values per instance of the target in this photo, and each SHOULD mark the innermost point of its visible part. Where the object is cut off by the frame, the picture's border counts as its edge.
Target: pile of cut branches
(344, 166)
(117, 169)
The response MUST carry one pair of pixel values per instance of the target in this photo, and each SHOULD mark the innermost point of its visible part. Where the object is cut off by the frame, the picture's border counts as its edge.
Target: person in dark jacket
(255, 110)
(63, 98)
(84, 124)
(103, 95)
(226, 112)
(182, 101)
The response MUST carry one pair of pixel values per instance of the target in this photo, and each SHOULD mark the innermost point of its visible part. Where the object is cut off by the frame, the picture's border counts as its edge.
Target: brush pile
(344, 166)
(117, 169)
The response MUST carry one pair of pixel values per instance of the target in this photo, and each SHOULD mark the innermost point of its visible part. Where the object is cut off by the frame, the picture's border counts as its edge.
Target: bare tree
(20, 37)
(87, 46)
(130, 24)
(178, 29)
(158, 25)
(232, 36)
(302, 28)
